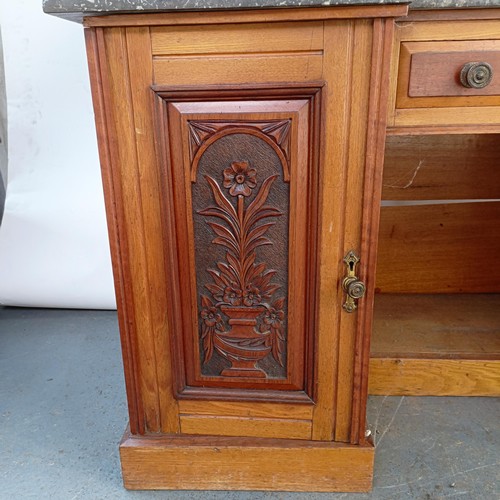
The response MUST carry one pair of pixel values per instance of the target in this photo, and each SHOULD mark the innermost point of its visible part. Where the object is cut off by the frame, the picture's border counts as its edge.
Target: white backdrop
(53, 240)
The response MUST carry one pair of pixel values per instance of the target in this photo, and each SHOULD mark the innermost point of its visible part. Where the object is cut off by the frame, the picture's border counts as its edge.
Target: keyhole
(351, 267)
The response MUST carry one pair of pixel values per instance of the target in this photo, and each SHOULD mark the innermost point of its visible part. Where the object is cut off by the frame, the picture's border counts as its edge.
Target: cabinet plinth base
(237, 463)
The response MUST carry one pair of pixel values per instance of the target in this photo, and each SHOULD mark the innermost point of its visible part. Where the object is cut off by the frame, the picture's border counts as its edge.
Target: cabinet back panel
(442, 167)
(442, 248)
(433, 247)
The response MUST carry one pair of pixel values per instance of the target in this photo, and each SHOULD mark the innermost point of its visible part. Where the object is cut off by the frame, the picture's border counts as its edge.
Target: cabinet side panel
(134, 172)
(141, 77)
(116, 228)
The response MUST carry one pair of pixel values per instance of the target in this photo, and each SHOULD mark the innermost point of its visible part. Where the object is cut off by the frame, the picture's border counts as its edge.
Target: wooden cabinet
(242, 160)
(438, 273)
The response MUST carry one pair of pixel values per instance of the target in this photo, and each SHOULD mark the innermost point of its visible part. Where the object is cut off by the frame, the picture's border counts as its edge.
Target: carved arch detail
(275, 133)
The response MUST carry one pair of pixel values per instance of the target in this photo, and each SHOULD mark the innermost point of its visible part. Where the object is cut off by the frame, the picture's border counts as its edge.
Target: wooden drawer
(427, 89)
(429, 73)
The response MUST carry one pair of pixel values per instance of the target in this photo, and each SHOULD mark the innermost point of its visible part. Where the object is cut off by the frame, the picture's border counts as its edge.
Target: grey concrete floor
(63, 410)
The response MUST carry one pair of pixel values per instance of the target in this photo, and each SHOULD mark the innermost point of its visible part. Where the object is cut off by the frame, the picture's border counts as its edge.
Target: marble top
(76, 9)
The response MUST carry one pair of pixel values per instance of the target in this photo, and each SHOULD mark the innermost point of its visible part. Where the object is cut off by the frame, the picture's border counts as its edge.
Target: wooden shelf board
(436, 345)
(433, 377)
(463, 326)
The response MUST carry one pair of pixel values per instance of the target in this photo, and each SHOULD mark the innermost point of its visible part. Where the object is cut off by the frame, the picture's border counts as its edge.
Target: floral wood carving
(277, 130)
(242, 288)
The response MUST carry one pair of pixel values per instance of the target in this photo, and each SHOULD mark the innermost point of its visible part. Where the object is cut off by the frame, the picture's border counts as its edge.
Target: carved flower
(232, 295)
(240, 179)
(251, 296)
(210, 316)
(274, 317)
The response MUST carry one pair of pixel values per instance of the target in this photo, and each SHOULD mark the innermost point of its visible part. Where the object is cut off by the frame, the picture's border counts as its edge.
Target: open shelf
(439, 344)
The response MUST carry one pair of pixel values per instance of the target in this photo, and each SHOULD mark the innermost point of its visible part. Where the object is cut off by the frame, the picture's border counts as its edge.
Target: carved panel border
(190, 122)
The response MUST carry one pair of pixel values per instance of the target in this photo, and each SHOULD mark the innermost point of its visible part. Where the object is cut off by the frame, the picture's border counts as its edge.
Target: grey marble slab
(453, 4)
(77, 9)
(96, 6)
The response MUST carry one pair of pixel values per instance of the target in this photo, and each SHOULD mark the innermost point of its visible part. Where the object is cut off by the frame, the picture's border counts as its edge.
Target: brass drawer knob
(353, 287)
(476, 75)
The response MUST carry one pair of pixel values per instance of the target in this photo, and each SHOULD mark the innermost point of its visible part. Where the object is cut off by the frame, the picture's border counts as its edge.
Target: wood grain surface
(458, 326)
(431, 39)
(234, 39)
(436, 345)
(442, 167)
(429, 74)
(209, 463)
(439, 248)
(209, 425)
(434, 377)
(249, 16)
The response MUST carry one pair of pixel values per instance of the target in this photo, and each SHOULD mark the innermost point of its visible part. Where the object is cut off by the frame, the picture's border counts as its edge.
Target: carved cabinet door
(241, 172)
(241, 165)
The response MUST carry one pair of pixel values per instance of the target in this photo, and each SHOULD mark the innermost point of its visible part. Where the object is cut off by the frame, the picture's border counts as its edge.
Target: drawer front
(441, 74)
(436, 76)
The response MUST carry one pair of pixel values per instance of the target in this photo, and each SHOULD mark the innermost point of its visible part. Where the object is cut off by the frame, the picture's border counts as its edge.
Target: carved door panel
(240, 178)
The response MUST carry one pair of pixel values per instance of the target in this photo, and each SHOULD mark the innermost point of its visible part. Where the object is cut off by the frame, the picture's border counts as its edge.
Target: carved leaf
(264, 212)
(215, 290)
(265, 278)
(258, 243)
(224, 243)
(205, 301)
(268, 290)
(220, 199)
(207, 334)
(221, 280)
(278, 345)
(255, 271)
(221, 230)
(279, 304)
(235, 265)
(247, 264)
(259, 231)
(258, 201)
(280, 131)
(229, 272)
(198, 133)
(218, 212)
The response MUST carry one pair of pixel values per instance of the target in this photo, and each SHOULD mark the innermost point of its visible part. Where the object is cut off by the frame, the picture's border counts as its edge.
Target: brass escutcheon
(352, 285)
